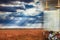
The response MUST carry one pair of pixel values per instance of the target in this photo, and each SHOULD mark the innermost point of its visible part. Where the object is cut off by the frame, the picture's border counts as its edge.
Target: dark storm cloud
(10, 9)
(27, 0)
(7, 9)
(4, 1)
(8, 1)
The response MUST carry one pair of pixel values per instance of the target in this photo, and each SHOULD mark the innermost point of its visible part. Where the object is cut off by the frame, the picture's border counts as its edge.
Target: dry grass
(25, 34)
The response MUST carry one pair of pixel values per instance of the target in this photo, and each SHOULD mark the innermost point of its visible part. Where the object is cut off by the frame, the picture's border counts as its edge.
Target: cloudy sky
(30, 12)
(7, 1)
